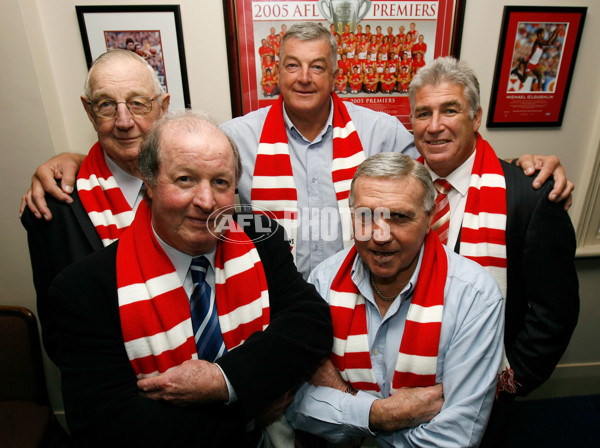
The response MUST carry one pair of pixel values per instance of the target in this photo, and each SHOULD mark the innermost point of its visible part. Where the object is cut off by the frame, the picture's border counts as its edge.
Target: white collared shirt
(130, 186)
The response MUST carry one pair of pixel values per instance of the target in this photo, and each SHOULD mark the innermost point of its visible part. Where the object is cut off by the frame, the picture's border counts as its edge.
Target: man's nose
(204, 197)
(436, 122)
(381, 231)
(124, 118)
(304, 74)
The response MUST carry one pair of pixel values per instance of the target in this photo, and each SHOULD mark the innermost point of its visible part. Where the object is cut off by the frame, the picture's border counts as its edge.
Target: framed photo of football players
(153, 32)
(381, 44)
(534, 66)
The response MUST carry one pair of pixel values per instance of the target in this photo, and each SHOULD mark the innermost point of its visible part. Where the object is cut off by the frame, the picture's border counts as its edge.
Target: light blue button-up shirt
(319, 236)
(470, 349)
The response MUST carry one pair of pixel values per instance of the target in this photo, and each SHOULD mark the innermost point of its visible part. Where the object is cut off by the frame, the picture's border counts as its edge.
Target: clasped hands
(197, 382)
(193, 382)
(408, 407)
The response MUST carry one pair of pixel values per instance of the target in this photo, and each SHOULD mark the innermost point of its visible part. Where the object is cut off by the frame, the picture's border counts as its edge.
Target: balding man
(190, 330)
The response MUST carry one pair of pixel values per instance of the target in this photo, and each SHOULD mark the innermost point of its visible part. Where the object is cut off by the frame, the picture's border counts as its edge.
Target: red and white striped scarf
(273, 186)
(417, 358)
(483, 234)
(102, 198)
(155, 309)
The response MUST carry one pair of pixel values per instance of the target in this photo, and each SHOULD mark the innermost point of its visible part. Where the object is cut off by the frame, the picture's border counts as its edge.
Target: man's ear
(429, 218)
(166, 101)
(477, 119)
(149, 190)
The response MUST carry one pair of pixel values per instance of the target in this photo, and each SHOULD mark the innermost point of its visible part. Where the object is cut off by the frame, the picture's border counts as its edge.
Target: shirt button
(375, 352)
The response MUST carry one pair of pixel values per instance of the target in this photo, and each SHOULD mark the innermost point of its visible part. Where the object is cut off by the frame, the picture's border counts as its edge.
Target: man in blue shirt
(407, 314)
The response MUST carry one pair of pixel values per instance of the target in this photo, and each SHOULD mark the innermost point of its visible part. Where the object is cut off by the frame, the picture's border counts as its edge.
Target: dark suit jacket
(101, 398)
(55, 244)
(542, 303)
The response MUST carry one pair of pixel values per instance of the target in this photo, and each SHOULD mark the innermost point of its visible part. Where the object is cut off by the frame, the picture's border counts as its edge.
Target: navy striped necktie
(205, 320)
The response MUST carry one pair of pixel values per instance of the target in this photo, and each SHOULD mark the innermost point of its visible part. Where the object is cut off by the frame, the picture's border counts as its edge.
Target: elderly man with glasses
(123, 98)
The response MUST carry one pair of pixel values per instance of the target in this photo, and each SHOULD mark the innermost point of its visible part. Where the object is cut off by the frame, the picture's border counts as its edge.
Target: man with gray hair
(488, 212)
(123, 98)
(193, 328)
(408, 314)
(299, 154)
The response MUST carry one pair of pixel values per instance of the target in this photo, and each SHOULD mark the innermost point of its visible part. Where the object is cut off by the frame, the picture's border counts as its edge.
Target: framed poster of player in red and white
(536, 58)
(381, 45)
(153, 32)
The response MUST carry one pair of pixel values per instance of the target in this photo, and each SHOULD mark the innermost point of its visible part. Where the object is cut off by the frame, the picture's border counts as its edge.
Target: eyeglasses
(107, 107)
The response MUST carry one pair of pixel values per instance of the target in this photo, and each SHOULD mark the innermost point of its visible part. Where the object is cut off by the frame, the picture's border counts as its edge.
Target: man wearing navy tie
(189, 329)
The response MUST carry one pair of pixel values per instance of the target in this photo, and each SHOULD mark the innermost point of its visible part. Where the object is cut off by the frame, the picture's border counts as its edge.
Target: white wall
(44, 69)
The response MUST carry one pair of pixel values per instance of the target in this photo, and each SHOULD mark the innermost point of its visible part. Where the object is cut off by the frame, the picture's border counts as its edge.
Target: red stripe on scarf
(99, 200)
(173, 312)
(408, 379)
(163, 362)
(343, 174)
(490, 261)
(495, 236)
(495, 198)
(266, 165)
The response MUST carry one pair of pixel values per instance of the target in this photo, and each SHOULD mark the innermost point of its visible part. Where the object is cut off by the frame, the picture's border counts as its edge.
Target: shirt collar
(360, 277)
(129, 185)
(182, 261)
(460, 178)
(290, 125)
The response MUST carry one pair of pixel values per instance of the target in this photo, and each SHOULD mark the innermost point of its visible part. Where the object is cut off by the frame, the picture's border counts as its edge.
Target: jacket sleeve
(299, 335)
(543, 292)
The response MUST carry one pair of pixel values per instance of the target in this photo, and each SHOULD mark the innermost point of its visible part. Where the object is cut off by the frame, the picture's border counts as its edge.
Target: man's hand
(548, 166)
(64, 167)
(407, 408)
(328, 376)
(275, 410)
(193, 382)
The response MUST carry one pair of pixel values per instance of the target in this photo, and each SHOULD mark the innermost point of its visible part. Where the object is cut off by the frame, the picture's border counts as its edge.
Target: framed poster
(153, 32)
(255, 29)
(536, 57)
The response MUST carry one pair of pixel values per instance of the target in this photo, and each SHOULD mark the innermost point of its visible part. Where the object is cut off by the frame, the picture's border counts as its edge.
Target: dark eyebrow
(453, 103)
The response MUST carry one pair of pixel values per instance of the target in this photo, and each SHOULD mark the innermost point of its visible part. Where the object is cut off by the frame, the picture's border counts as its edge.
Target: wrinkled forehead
(122, 75)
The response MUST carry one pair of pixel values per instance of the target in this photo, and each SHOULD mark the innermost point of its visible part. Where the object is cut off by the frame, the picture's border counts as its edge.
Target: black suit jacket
(55, 244)
(542, 303)
(102, 404)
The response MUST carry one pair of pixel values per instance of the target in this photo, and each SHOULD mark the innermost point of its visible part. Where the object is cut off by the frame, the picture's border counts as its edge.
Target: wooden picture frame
(155, 32)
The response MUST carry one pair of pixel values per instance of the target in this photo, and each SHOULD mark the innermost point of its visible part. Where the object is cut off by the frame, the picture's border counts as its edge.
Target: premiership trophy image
(344, 12)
